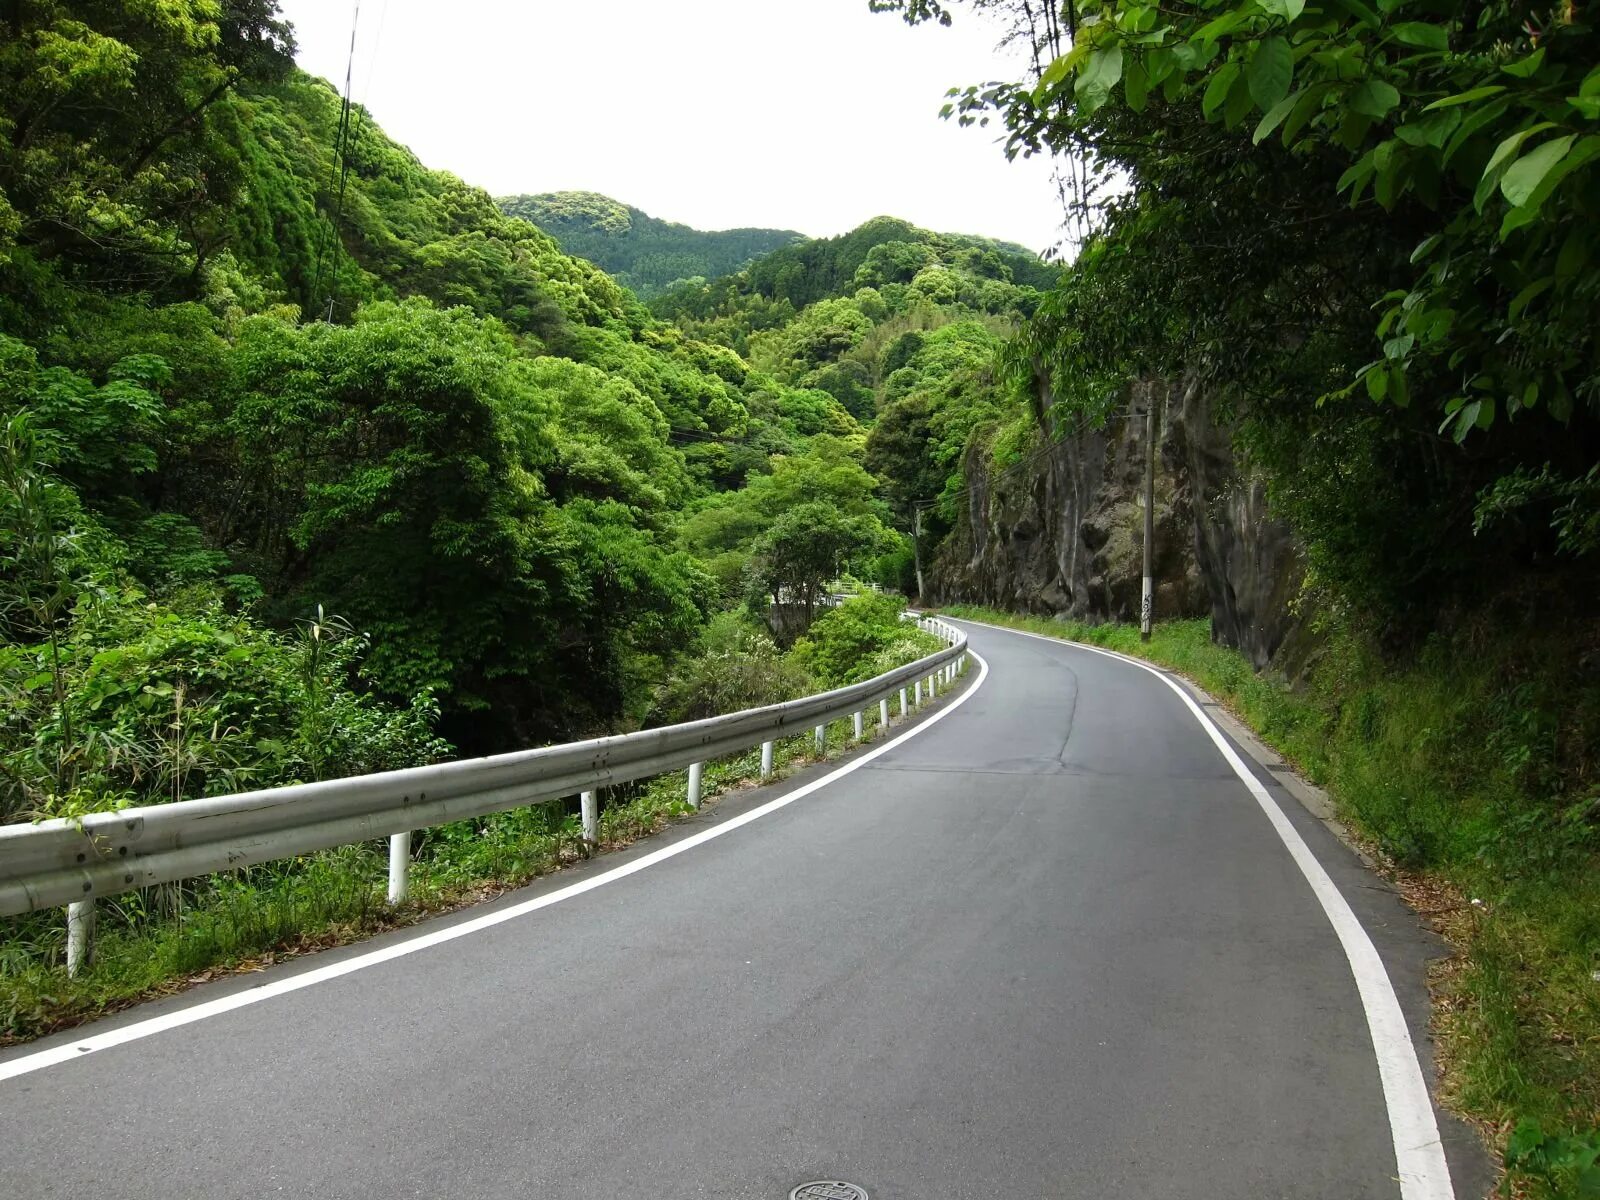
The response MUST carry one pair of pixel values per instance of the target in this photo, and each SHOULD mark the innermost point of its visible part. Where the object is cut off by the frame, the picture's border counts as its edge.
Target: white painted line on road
(81, 1047)
(1419, 1153)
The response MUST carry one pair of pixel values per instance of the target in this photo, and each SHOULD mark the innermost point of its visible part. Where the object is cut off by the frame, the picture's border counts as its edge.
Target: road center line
(77, 1048)
(1419, 1153)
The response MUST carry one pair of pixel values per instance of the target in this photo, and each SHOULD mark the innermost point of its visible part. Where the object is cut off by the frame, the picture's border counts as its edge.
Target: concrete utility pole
(1147, 598)
(916, 547)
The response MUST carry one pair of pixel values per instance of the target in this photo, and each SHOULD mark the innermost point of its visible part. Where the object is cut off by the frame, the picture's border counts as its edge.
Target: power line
(372, 62)
(341, 166)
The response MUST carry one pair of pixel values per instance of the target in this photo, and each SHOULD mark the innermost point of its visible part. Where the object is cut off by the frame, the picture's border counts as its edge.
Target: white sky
(794, 114)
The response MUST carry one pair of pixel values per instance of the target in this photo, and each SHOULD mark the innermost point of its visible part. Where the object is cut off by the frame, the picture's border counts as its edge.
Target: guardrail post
(856, 719)
(766, 760)
(883, 712)
(919, 693)
(591, 817)
(902, 702)
(80, 935)
(694, 784)
(822, 740)
(933, 686)
(399, 866)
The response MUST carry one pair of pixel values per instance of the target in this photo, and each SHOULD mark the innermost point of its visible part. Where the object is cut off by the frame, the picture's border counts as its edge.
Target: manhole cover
(828, 1189)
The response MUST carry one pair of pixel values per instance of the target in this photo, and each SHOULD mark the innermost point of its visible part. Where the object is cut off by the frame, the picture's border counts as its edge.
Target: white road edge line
(81, 1047)
(1423, 1170)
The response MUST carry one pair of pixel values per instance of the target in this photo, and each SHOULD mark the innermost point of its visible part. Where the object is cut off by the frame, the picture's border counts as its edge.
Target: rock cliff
(1061, 531)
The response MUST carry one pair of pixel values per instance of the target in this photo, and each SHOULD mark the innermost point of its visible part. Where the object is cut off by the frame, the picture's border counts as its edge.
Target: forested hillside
(643, 253)
(898, 326)
(316, 461)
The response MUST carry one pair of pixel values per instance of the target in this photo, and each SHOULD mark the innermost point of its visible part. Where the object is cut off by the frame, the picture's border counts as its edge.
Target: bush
(851, 642)
(157, 704)
(736, 666)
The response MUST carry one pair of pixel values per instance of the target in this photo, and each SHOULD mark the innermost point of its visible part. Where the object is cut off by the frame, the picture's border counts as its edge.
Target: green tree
(806, 547)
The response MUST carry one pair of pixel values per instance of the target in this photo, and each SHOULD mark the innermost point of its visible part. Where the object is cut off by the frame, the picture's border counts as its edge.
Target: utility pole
(1147, 598)
(916, 548)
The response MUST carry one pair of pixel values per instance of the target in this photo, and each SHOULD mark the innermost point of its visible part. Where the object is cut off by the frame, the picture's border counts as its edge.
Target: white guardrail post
(80, 935)
(70, 863)
(591, 818)
(399, 866)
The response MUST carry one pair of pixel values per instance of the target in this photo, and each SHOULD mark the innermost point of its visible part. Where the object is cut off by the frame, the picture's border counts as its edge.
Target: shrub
(736, 666)
(852, 642)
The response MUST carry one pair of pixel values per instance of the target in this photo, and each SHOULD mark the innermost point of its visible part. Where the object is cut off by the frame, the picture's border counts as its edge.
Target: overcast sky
(794, 114)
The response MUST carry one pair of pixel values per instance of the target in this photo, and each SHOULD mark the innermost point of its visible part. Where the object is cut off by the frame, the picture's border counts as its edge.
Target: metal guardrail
(71, 862)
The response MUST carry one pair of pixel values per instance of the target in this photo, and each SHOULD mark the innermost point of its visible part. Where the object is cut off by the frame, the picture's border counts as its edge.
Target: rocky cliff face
(1251, 562)
(1062, 533)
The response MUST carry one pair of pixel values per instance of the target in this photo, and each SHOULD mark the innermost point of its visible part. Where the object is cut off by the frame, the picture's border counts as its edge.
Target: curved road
(1049, 945)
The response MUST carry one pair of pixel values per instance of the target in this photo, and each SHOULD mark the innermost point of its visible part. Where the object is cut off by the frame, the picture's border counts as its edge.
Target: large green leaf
(1373, 98)
(1529, 171)
(1270, 72)
(1467, 97)
(1274, 117)
(1099, 75)
(1527, 67)
(1500, 159)
(1135, 85)
(1217, 90)
(1309, 104)
(1580, 155)
(1223, 26)
(1422, 35)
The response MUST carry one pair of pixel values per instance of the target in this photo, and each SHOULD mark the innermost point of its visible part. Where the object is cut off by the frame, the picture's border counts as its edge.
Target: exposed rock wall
(1062, 532)
(1251, 562)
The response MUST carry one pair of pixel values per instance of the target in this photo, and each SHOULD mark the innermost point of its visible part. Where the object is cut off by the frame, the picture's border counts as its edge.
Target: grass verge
(1471, 769)
(161, 940)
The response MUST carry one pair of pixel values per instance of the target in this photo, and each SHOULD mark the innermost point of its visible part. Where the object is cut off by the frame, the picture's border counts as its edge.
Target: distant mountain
(885, 253)
(642, 252)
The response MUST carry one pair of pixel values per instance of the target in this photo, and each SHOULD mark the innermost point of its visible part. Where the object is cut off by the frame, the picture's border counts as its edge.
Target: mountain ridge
(646, 254)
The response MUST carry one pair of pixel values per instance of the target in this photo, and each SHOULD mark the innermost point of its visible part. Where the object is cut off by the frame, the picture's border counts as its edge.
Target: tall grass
(1472, 766)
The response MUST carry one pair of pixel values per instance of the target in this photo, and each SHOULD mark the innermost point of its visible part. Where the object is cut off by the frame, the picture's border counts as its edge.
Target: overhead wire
(340, 168)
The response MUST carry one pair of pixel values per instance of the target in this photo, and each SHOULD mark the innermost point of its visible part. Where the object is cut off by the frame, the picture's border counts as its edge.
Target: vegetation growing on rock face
(641, 252)
(1370, 234)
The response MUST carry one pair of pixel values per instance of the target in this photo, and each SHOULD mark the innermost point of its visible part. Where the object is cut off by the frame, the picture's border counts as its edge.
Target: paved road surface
(1048, 948)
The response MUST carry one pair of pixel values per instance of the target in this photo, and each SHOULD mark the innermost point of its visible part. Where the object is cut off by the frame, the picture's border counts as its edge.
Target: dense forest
(643, 253)
(315, 461)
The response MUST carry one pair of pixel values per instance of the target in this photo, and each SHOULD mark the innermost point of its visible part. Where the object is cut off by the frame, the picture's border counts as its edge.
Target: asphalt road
(1050, 946)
